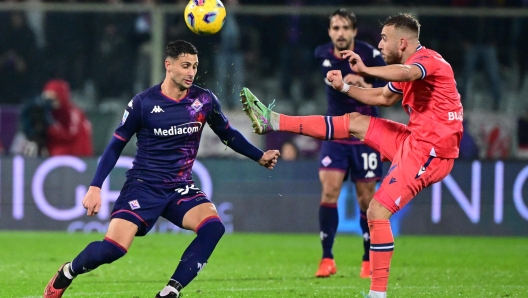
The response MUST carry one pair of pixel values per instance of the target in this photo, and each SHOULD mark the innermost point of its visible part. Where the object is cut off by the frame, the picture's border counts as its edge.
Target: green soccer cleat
(257, 112)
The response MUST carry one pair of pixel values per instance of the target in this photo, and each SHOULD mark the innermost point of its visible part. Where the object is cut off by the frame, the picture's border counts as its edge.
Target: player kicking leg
(389, 138)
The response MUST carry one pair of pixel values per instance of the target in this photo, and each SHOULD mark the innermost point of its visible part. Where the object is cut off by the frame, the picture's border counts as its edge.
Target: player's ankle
(68, 272)
(377, 294)
(274, 120)
(172, 286)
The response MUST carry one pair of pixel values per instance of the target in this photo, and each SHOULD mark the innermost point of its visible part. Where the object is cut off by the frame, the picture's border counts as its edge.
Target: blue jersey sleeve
(108, 161)
(131, 121)
(230, 136)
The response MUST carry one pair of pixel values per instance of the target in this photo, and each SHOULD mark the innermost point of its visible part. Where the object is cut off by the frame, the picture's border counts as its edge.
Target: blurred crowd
(105, 57)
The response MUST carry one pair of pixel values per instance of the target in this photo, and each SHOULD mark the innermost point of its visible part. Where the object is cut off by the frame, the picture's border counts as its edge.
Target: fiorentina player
(347, 157)
(168, 120)
(422, 152)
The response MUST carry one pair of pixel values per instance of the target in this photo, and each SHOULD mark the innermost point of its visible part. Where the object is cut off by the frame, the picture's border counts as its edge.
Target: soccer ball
(205, 17)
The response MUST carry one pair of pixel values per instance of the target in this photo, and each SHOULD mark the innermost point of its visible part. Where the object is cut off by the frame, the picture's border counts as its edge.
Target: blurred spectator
(69, 45)
(17, 50)
(522, 135)
(519, 46)
(295, 51)
(289, 151)
(35, 119)
(141, 41)
(71, 131)
(468, 146)
(113, 54)
(230, 60)
(480, 44)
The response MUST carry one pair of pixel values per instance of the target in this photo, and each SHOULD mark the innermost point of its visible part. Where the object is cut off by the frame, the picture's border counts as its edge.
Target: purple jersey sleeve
(131, 121)
(108, 161)
(230, 136)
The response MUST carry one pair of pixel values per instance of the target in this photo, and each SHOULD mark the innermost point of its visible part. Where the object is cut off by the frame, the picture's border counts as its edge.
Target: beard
(345, 47)
(392, 58)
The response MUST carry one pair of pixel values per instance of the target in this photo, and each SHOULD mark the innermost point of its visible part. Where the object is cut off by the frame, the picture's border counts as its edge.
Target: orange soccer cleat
(365, 269)
(57, 285)
(327, 267)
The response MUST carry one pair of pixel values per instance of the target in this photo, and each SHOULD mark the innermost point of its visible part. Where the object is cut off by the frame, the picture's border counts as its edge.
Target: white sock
(66, 271)
(274, 120)
(166, 291)
(376, 294)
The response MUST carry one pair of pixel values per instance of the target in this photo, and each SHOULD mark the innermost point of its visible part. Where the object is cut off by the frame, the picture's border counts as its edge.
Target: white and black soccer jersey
(339, 103)
(168, 134)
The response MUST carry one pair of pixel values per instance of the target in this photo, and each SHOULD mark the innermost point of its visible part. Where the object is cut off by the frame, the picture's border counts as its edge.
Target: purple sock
(195, 257)
(328, 221)
(366, 234)
(96, 254)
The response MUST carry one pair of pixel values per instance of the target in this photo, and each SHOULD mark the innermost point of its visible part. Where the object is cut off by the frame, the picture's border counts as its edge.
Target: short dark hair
(179, 47)
(346, 14)
(403, 20)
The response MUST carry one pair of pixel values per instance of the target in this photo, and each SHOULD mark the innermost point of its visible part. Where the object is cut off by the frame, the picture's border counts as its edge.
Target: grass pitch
(270, 265)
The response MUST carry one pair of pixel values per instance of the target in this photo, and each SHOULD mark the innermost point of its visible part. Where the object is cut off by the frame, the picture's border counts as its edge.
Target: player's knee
(358, 124)
(330, 194)
(377, 211)
(354, 115)
(215, 230)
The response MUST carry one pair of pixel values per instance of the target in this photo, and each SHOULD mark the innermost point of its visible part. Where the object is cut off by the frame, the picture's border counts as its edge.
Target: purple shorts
(359, 161)
(143, 203)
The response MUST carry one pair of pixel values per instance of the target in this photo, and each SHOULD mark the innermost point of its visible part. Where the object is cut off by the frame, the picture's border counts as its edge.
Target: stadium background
(486, 194)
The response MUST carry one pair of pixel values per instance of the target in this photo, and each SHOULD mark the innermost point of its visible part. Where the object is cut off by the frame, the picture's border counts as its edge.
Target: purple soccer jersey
(169, 131)
(339, 103)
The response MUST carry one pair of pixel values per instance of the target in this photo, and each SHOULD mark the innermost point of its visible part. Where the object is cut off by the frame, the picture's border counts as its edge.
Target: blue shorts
(361, 162)
(143, 203)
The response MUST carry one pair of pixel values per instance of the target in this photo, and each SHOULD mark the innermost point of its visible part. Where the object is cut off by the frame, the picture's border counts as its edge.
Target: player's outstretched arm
(380, 96)
(269, 159)
(229, 135)
(391, 73)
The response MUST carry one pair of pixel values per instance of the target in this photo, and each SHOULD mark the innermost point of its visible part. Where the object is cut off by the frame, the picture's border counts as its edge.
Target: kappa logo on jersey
(134, 204)
(130, 104)
(182, 129)
(197, 105)
(157, 109)
(370, 174)
(326, 63)
(125, 116)
(200, 267)
(326, 161)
